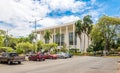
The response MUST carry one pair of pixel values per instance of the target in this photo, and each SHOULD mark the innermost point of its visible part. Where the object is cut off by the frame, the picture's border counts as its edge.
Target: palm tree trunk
(84, 45)
(80, 43)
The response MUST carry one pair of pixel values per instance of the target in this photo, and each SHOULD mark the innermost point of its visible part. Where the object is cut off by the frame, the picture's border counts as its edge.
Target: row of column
(66, 34)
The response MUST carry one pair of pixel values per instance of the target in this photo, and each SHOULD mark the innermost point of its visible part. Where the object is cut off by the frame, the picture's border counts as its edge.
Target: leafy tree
(6, 49)
(31, 37)
(49, 47)
(39, 45)
(79, 29)
(47, 36)
(24, 47)
(2, 32)
(84, 26)
(58, 38)
(87, 27)
(1, 41)
(105, 31)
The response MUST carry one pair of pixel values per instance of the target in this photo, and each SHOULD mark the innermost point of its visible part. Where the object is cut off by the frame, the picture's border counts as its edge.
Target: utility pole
(6, 40)
(35, 32)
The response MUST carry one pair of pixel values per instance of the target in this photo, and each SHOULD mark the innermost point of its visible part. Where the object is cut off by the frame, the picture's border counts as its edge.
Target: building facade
(66, 36)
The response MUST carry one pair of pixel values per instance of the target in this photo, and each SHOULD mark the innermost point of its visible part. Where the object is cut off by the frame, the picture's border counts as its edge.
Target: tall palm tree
(89, 29)
(86, 26)
(79, 30)
(47, 36)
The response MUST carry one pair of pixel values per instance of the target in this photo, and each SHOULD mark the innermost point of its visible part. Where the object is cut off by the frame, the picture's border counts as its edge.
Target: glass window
(71, 38)
(57, 39)
(62, 39)
(46, 40)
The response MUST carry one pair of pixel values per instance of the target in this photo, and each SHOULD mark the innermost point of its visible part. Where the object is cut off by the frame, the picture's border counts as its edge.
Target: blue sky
(15, 15)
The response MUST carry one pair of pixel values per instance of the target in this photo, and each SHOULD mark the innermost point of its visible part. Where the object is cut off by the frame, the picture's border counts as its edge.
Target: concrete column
(60, 36)
(73, 36)
(66, 37)
(54, 34)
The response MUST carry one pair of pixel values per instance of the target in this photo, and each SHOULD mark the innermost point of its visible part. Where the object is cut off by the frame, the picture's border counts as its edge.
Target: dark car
(11, 58)
(37, 57)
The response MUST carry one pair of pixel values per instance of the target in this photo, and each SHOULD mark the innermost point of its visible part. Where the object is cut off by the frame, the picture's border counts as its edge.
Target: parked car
(50, 56)
(11, 58)
(37, 57)
(62, 55)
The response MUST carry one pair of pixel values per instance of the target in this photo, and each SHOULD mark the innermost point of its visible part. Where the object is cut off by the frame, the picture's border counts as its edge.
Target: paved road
(72, 65)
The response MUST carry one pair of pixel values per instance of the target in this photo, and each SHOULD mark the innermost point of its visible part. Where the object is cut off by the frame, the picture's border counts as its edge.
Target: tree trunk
(84, 44)
(80, 43)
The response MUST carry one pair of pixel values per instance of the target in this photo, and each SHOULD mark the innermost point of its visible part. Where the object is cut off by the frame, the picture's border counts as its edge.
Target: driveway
(84, 64)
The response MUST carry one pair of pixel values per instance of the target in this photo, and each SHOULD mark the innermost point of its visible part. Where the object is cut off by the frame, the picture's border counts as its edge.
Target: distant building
(67, 36)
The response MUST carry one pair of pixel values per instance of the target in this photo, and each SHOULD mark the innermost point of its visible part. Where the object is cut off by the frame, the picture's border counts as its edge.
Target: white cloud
(20, 12)
(64, 5)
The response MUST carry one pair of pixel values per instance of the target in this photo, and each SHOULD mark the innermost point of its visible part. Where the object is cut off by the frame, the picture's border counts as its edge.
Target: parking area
(84, 64)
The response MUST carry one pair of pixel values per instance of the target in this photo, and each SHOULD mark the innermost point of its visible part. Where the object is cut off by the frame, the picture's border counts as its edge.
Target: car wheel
(43, 59)
(9, 62)
(19, 62)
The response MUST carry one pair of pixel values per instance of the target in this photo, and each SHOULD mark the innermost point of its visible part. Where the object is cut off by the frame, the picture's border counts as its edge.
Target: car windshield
(13, 54)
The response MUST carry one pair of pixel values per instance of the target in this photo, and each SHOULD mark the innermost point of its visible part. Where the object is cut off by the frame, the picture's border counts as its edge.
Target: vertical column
(73, 36)
(54, 35)
(66, 37)
(60, 36)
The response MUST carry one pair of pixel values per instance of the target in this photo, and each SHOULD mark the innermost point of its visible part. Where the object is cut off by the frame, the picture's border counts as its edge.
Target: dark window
(71, 38)
(57, 39)
(75, 39)
(62, 39)
(53, 38)
(46, 40)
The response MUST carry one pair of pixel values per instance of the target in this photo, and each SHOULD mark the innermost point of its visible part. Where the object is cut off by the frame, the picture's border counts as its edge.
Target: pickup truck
(11, 58)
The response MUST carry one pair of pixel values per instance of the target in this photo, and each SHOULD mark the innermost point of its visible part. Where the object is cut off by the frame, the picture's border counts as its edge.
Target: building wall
(65, 30)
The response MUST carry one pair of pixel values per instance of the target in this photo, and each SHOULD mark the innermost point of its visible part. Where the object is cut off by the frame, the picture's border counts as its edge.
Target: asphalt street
(82, 64)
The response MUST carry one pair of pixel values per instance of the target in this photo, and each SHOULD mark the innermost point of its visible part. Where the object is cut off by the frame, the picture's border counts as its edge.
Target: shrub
(20, 51)
(24, 47)
(6, 49)
(50, 46)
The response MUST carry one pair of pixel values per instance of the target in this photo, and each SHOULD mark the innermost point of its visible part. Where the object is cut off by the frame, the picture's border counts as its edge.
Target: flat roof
(56, 26)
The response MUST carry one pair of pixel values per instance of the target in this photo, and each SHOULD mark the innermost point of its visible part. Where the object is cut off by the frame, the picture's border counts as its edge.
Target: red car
(37, 57)
(50, 56)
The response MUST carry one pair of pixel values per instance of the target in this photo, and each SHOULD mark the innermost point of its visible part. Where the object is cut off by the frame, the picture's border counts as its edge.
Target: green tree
(87, 27)
(24, 47)
(2, 32)
(39, 45)
(47, 36)
(58, 38)
(79, 29)
(84, 26)
(48, 47)
(105, 31)
(31, 37)
(6, 49)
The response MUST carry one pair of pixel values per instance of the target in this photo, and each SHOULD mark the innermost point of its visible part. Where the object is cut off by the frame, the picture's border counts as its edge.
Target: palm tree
(79, 29)
(47, 36)
(86, 26)
(89, 29)
(58, 38)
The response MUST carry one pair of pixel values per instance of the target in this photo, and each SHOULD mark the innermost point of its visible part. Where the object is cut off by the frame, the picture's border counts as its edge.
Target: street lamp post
(35, 32)
(6, 40)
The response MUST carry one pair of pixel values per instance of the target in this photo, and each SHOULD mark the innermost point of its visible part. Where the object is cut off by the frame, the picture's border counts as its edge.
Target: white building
(67, 36)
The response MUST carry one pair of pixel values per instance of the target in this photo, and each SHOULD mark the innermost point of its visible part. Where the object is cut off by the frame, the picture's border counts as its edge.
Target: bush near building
(6, 49)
